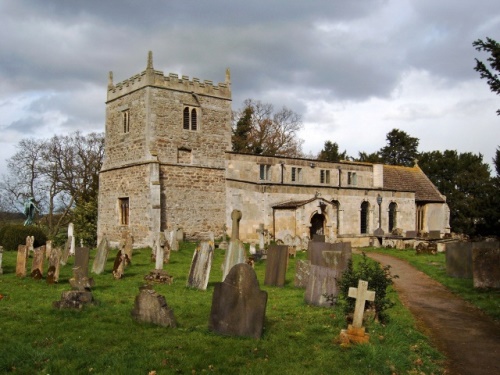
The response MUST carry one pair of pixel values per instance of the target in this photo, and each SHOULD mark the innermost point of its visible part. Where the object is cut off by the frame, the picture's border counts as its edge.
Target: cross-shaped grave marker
(362, 294)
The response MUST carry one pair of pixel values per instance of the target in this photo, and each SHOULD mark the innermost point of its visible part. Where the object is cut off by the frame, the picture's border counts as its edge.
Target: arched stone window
(190, 119)
(336, 216)
(393, 222)
(365, 206)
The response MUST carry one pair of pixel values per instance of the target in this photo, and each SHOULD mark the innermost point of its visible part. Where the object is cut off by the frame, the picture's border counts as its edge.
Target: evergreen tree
(241, 132)
(401, 149)
(374, 157)
(330, 152)
(491, 77)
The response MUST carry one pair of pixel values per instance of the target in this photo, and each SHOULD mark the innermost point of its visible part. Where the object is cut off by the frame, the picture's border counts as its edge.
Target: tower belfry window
(126, 121)
(190, 119)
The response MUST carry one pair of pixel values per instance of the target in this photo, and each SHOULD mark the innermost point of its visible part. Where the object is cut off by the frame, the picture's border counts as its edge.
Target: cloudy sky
(354, 70)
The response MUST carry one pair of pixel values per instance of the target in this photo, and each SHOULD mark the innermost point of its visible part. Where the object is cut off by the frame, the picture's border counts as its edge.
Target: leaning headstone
(37, 264)
(65, 254)
(22, 257)
(201, 265)
(54, 266)
(321, 289)
(119, 265)
(128, 244)
(459, 260)
(1, 258)
(277, 259)
(150, 307)
(238, 304)
(71, 237)
(235, 254)
(486, 264)
(302, 272)
(101, 256)
(355, 331)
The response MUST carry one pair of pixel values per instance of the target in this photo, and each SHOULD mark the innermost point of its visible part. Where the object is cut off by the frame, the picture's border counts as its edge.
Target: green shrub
(378, 278)
(14, 235)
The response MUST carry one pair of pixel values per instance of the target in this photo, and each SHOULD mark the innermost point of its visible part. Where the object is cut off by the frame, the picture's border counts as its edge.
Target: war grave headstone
(486, 264)
(71, 238)
(66, 251)
(22, 258)
(201, 266)
(101, 256)
(54, 266)
(302, 273)
(162, 256)
(355, 332)
(276, 264)
(151, 307)
(80, 295)
(37, 264)
(459, 260)
(235, 254)
(1, 260)
(238, 304)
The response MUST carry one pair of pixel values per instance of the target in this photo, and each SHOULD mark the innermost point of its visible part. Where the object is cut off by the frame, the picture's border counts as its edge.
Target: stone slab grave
(151, 307)
(355, 332)
(235, 253)
(54, 266)
(276, 264)
(238, 304)
(37, 264)
(201, 265)
(459, 260)
(22, 258)
(486, 264)
(302, 273)
(1, 260)
(101, 256)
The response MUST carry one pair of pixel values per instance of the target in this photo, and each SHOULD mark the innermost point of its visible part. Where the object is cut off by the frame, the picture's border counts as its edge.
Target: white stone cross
(362, 294)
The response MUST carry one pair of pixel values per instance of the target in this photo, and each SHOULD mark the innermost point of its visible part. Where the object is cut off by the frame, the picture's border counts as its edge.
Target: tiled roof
(295, 204)
(411, 179)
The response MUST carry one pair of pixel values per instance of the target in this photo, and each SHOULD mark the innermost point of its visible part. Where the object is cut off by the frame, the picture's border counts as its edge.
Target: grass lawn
(434, 266)
(35, 338)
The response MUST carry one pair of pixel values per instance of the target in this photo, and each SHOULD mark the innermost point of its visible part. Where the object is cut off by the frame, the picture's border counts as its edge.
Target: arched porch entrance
(317, 224)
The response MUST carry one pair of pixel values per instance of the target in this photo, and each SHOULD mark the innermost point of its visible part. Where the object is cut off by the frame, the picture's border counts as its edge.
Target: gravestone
(316, 252)
(79, 296)
(355, 331)
(48, 249)
(261, 234)
(235, 254)
(150, 307)
(119, 265)
(486, 264)
(238, 304)
(321, 288)
(223, 245)
(459, 260)
(54, 266)
(22, 258)
(1, 260)
(65, 254)
(302, 272)
(318, 238)
(277, 260)
(101, 256)
(82, 255)
(30, 242)
(71, 238)
(252, 250)
(173, 240)
(201, 265)
(37, 264)
(434, 235)
(411, 234)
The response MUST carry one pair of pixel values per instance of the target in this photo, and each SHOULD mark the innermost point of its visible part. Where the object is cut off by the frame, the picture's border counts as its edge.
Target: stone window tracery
(190, 119)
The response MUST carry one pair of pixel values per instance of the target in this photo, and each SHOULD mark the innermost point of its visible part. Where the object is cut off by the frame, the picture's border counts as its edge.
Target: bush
(378, 278)
(13, 235)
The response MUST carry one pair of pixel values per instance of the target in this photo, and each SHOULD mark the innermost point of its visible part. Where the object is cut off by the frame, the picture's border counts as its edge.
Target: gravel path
(469, 339)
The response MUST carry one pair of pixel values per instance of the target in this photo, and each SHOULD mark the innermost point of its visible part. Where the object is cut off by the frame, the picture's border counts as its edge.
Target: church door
(317, 224)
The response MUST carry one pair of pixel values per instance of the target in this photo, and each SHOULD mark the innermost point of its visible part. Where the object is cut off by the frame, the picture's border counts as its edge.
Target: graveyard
(104, 338)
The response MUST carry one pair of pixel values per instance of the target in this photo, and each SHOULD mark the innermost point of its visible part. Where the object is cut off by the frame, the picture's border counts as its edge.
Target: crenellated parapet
(172, 81)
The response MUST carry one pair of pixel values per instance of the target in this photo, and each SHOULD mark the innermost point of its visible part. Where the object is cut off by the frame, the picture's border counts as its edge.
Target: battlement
(172, 81)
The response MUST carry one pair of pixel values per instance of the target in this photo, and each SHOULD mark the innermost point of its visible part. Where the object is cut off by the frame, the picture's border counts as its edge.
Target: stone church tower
(166, 138)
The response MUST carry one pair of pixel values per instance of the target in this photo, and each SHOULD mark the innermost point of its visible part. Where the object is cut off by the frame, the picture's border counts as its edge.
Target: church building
(169, 164)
